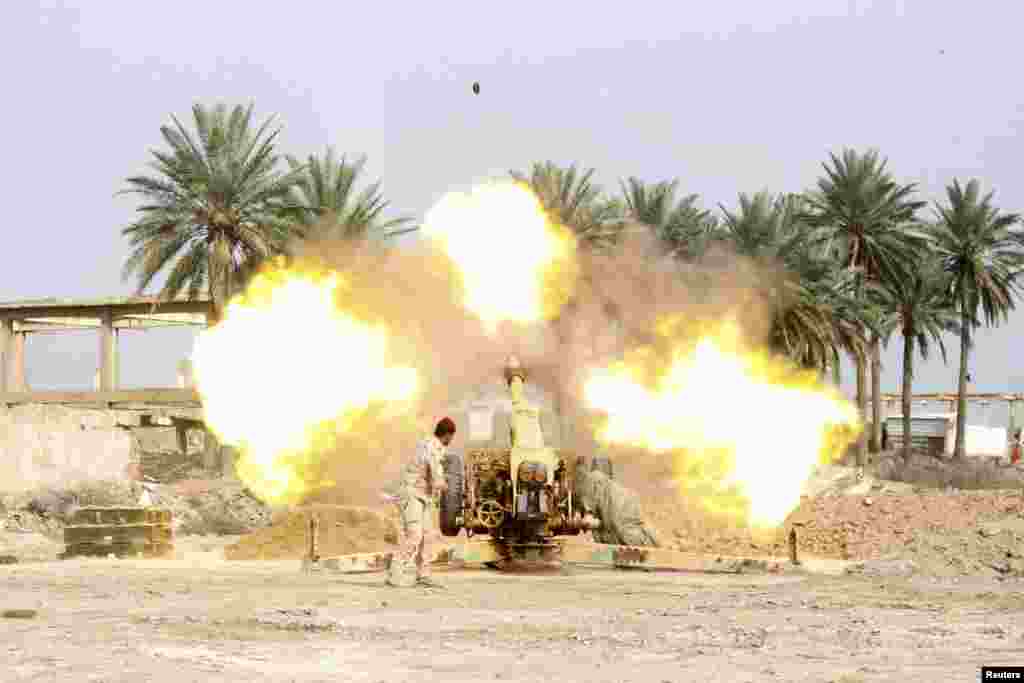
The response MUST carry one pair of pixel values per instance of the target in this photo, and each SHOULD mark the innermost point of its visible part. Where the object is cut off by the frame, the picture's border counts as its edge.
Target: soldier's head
(445, 431)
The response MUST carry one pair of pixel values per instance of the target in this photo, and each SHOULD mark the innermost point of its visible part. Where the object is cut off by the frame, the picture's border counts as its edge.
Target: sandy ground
(200, 618)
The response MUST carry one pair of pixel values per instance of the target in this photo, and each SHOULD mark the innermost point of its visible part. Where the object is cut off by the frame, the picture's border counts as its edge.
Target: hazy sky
(728, 96)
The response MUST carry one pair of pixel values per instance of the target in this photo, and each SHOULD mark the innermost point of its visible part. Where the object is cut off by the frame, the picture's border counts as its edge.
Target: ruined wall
(49, 444)
(45, 445)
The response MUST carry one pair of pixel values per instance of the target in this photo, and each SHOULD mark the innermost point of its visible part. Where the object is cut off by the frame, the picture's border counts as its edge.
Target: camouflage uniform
(421, 479)
(617, 507)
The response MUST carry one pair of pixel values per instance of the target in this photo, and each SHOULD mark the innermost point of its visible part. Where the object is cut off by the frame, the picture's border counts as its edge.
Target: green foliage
(980, 248)
(328, 189)
(864, 218)
(814, 310)
(214, 204)
(576, 202)
(918, 307)
(855, 264)
(681, 227)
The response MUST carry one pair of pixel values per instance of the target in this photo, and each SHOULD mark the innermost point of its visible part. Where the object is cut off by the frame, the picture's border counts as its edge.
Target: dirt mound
(343, 530)
(930, 532)
(686, 526)
(871, 527)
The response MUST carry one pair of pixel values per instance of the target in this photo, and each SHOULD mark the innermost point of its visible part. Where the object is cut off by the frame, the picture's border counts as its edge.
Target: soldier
(616, 506)
(422, 480)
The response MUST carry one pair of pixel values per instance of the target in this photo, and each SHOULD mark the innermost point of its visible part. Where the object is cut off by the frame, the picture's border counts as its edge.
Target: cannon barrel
(587, 523)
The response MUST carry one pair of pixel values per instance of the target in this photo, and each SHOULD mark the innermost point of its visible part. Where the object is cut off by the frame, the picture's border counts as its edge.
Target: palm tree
(814, 314)
(576, 202)
(216, 205)
(331, 209)
(681, 227)
(865, 221)
(328, 189)
(920, 310)
(981, 251)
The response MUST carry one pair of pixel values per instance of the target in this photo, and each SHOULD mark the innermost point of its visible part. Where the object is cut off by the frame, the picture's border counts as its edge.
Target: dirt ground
(200, 618)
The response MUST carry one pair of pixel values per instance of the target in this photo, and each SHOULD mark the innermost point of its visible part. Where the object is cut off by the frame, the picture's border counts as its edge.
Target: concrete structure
(48, 444)
(52, 444)
(937, 434)
(109, 317)
(891, 404)
(47, 437)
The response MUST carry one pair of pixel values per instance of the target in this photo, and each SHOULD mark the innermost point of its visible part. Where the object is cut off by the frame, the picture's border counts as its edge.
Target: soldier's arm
(438, 481)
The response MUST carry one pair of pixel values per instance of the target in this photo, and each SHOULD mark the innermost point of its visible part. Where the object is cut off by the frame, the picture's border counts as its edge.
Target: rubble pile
(221, 508)
(198, 507)
(342, 529)
(48, 509)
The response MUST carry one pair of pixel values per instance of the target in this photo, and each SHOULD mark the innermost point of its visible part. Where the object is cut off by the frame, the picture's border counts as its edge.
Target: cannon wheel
(451, 501)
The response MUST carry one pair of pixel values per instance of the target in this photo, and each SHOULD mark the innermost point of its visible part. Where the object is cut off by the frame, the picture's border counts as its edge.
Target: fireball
(287, 370)
(739, 421)
(515, 262)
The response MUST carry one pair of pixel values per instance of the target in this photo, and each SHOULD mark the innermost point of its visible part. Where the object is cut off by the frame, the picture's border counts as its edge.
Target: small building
(936, 434)
(110, 317)
(930, 433)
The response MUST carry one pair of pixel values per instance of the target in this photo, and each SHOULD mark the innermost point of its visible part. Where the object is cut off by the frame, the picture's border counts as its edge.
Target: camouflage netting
(622, 521)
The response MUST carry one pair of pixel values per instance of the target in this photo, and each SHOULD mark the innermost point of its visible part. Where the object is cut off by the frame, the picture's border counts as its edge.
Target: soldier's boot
(428, 582)
(398, 578)
(396, 583)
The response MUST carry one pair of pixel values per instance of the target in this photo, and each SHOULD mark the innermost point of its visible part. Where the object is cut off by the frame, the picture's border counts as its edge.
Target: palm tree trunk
(876, 394)
(219, 270)
(908, 379)
(961, 393)
(214, 316)
(862, 407)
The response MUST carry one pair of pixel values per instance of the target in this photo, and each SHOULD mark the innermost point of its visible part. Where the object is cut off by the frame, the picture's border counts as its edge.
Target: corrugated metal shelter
(929, 433)
(937, 434)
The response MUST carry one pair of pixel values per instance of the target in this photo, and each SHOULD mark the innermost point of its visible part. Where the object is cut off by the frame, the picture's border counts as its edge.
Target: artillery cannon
(522, 502)
(522, 497)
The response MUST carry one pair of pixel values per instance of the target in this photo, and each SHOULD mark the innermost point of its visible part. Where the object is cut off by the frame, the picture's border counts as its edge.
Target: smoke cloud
(415, 293)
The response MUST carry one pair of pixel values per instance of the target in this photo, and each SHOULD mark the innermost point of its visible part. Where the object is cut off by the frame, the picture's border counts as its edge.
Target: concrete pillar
(16, 363)
(6, 348)
(108, 352)
(212, 453)
(228, 458)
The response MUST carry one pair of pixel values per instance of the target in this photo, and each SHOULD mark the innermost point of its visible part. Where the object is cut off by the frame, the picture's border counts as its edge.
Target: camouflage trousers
(417, 540)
